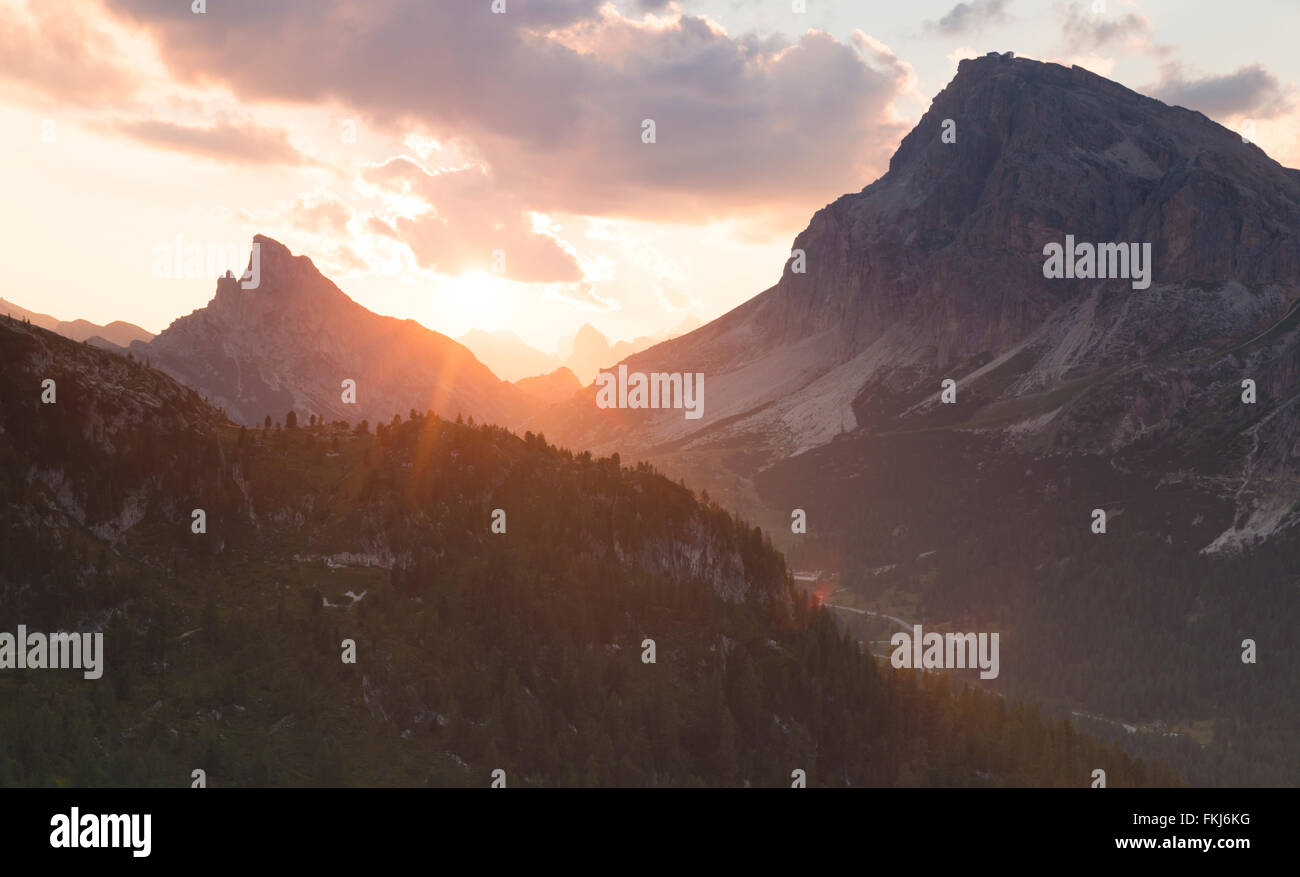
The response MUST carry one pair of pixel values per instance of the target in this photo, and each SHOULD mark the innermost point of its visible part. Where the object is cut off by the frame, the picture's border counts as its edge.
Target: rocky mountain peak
(293, 339)
(938, 270)
(280, 280)
(950, 240)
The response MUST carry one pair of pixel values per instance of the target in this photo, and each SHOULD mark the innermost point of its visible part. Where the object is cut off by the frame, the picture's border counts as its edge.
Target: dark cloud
(1250, 91)
(968, 18)
(551, 95)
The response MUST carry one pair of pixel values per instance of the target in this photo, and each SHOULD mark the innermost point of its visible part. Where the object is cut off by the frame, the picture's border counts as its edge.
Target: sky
(468, 168)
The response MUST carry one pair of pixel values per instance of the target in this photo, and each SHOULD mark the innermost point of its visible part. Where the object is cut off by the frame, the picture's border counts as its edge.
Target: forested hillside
(1137, 624)
(475, 649)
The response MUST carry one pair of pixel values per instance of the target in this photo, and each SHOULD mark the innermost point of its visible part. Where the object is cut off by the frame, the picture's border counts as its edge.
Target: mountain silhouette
(508, 355)
(114, 334)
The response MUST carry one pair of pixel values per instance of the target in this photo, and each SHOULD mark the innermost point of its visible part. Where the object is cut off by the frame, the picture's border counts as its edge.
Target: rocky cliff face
(936, 270)
(291, 342)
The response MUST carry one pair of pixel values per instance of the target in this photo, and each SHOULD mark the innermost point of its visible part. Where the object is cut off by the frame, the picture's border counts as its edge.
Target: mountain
(45, 321)
(348, 614)
(509, 357)
(936, 270)
(558, 386)
(588, 351)
(117, 333)
(105, 344)
(291, 343)
(583, 354)
(823, 393)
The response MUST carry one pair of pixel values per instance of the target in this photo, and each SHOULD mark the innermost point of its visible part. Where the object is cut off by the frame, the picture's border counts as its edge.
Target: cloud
(956, 56)
(1250, 91)
(236, 142)
(582, 296)
(672, 297)
(552, 96)
(969, 18)
(1085, 31)
(467, 222)
(52, 51)
(320, 212)
(375, 225)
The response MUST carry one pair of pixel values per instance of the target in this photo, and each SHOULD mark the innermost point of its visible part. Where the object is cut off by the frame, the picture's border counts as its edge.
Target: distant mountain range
(290, 344)
(558, 386)
(116, 333)
(293, 342)
(584, 353)
(508, 355)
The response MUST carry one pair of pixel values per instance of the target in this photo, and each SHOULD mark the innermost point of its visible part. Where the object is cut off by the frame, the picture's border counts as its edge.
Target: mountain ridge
(292, 342)
(474, 648)
(117, 333)
(935, 271)
(1169, 416)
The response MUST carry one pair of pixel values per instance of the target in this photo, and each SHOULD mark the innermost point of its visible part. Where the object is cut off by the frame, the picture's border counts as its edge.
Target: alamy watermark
(945, 651)
(1099, 261)
(77, 830)
(654, 390)
(55, 651)
(195, 261)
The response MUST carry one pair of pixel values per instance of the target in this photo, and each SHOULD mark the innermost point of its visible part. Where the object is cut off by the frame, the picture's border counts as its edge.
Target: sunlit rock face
(291, 342)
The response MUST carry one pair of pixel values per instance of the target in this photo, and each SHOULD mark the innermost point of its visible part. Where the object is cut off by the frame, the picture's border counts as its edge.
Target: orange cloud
(241, 142)
(469, 222)
(552, 96)
(56, 51)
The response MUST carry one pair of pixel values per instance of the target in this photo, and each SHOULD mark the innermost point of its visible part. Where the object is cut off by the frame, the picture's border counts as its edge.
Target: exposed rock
(935, 270)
